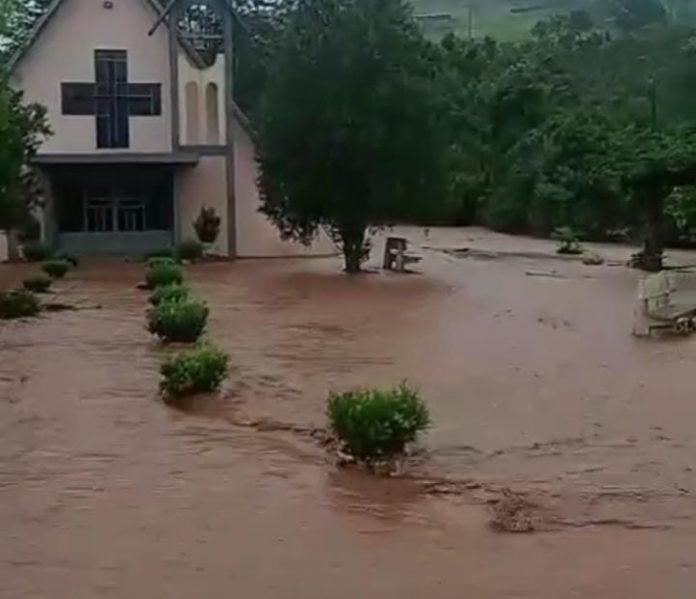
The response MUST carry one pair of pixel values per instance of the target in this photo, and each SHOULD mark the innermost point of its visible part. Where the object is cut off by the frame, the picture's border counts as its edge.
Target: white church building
(146, 131)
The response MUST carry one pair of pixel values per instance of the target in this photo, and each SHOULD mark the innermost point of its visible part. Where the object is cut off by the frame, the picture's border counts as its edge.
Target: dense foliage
(18, 304)
(374, 423)
(349, 134)
(198, 370)
(71, 259)
(207, 225)
(180, 320)
(189, 249)
(36, 251)
(54, 268)
(163, 271)
(576, 127)
(169, 293)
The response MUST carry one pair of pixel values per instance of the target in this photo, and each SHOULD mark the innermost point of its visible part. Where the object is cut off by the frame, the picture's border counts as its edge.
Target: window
(211, 114)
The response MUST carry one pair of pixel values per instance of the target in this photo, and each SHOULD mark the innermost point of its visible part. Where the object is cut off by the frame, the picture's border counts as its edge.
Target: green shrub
(163, 273)
(37, 284)
(69, 258)
(374, 423)
(189, 249)
(182, 321)
(207, 225)
(55, 268)
(18, 303)
(198, 370)
(568, 242)
(169, 293)
(35, 251)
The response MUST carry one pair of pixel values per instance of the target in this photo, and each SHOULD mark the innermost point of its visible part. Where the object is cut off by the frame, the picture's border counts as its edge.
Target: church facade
(146, 131)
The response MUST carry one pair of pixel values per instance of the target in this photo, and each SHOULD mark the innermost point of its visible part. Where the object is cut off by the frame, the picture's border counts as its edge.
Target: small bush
(207, 225)
(169, 293)
(69, 258)
(163, 273)
(55, 268)
(375, 423)
(190, 249)
(182, 321)
(198, 370)
(18, 304)
(568, 242)
(37, 284)
(35, 251)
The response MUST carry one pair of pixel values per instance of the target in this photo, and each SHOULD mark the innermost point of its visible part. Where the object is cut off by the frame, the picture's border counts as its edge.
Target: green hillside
(512, 19)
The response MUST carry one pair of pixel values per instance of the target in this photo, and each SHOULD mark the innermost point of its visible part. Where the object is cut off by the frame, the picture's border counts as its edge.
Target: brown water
(534, 384)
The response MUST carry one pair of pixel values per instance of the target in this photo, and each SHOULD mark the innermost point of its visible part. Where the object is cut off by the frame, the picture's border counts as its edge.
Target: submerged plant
(55, 268)
(198, 370)
(568, 241)
(190, 249)
(169, 293)
(36, 251)
(375, 423)
(18, 304)
(162, 273)
(183, 320)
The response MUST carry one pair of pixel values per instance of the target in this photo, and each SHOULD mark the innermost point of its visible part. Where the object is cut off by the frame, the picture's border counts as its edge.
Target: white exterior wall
(202, 185)
(64, 52)
(3, 246)
(187, 73)
(257, 237)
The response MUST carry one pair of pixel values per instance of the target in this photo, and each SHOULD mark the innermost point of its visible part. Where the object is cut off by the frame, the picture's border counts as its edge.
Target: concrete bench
(397, 256)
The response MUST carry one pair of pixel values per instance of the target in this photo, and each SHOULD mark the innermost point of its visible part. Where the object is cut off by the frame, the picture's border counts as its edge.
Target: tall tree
(349, 127)
(22, 128)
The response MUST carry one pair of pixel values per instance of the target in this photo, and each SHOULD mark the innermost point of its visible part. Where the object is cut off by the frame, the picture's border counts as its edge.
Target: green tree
(22, 128)
(349, 127)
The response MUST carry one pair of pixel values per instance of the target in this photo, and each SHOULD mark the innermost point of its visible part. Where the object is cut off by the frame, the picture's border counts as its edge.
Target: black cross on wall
(112, 99)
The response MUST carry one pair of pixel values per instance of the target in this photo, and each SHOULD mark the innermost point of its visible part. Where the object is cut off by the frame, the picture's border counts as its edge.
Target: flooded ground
(535, 385)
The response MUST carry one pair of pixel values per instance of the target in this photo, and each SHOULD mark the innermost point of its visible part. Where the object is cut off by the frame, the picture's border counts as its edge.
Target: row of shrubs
(176, 315)
(371, 424)
(23, 303)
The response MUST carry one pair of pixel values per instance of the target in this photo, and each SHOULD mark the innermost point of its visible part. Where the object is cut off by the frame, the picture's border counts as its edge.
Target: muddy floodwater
(537, 391)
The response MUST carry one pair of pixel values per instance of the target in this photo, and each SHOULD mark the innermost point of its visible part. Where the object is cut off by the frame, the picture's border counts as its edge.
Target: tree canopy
(349, 123)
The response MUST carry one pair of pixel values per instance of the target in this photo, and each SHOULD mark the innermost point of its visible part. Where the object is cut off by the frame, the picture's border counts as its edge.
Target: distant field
(504, 19)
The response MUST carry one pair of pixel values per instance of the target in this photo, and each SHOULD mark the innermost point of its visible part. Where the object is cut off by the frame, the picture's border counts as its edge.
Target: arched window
(211, 114)
(192, 113)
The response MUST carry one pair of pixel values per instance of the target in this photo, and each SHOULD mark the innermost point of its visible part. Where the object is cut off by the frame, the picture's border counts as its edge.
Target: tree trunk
(354, 250)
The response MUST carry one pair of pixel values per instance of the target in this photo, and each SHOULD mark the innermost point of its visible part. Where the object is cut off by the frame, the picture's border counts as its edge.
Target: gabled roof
(41, 23)
(161, 13)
